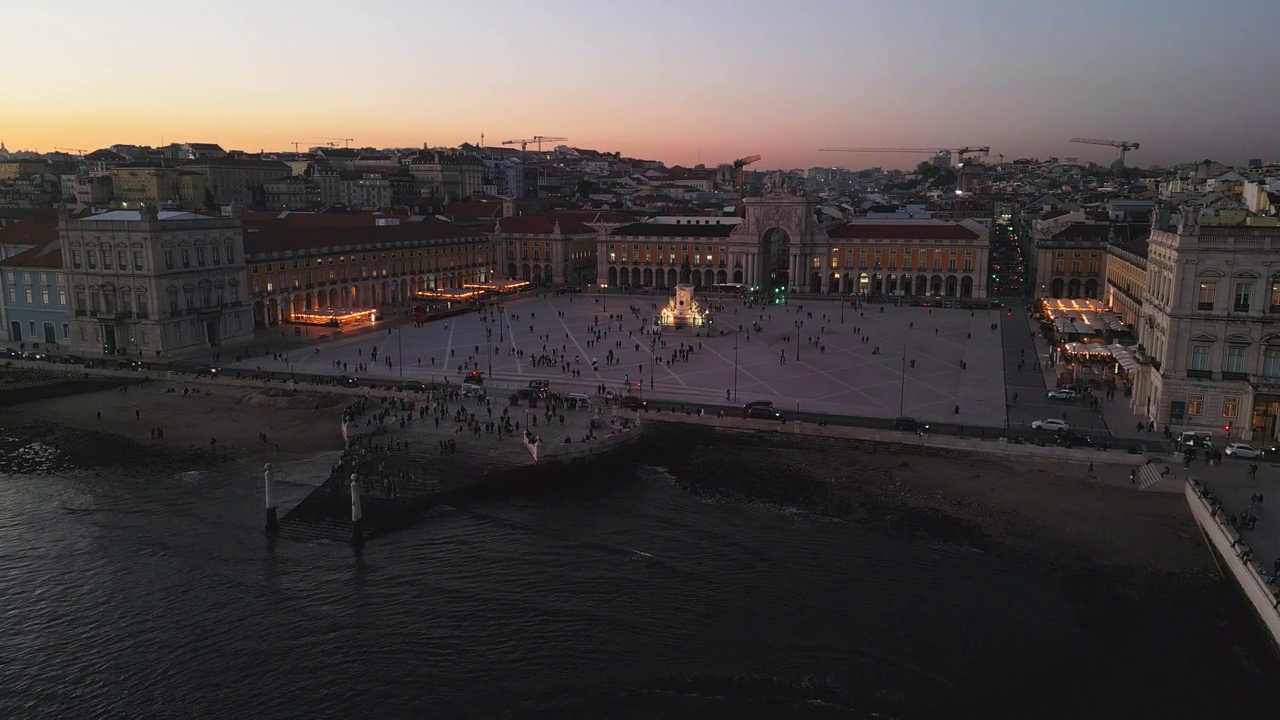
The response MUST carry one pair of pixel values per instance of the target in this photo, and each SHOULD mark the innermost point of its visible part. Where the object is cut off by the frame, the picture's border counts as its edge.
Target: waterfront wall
(1235, 554)
(990, 444)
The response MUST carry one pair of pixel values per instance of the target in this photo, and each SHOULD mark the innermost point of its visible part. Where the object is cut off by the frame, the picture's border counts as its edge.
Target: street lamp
(842, 298)
(400, 349)
(902, 389)
(488, 339)
(735, 368)
(799, 324)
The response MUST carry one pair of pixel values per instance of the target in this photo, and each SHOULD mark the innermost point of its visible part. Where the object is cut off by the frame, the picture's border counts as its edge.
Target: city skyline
(682, 84)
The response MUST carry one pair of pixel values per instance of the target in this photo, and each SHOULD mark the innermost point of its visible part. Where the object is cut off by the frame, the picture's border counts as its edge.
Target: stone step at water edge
(331, 529)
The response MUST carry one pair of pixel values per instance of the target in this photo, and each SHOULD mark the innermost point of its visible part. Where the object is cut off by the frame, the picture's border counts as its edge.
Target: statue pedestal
(683, 310)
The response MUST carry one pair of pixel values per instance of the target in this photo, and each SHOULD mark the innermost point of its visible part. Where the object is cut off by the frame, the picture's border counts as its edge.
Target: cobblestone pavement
(838, 372)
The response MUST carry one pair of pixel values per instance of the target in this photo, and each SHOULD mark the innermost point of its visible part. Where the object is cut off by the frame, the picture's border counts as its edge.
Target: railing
(1208, 374)
(1228, 375)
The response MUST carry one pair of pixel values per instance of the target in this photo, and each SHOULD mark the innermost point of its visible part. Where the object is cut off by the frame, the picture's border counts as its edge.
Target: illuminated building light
(334, 318)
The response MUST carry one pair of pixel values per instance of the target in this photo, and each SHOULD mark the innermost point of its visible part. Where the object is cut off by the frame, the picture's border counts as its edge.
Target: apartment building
(34, 294)
(544, 249)
(239, 181)
(144, 183)
(1210, 328)
(1126, 273)
(316, 261)
(148, 283)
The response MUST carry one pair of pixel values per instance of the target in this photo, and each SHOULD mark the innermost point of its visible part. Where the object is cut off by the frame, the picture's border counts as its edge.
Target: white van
(584, 402)
(1195, 438)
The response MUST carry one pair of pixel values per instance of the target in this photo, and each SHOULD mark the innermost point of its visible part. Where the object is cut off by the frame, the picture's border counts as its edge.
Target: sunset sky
(678, 81)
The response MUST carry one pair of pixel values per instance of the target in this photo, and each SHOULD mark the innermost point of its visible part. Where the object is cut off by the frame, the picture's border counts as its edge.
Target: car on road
(909, 424)
(1066, 438)
(413, 386)
(541, 387)
(1243, 451)
(761, 412)
(758, 403)
(631, 402)
(1062, 394)
(1050, 424)
(209, 370)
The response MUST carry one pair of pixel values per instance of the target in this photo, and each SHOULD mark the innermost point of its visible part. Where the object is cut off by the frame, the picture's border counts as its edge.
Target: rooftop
(643, 229)
(46, 256)
(35, 231)
(891, 229)
(136, 216)
(278, 237)
(543, 225)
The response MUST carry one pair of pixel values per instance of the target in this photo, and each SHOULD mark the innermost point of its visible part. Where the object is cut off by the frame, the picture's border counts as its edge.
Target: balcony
(142, 315)
(1227, 375)
(1241, 307)
(1201, 374)
(80, 313)
(1204, 306)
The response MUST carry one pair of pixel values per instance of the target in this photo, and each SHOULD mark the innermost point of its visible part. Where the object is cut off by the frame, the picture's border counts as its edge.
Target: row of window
(92, 258)
(184, 255)
(1075, 266)
(1230, 406)
(1236, 360)
(11, 276)
(893, 264)
(1241, 296)
(29, 296)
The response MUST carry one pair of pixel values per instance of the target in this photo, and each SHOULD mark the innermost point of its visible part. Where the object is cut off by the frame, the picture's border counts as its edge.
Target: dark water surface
(138, 597)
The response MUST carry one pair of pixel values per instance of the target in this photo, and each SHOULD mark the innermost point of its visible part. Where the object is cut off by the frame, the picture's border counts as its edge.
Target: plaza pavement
(847, 378)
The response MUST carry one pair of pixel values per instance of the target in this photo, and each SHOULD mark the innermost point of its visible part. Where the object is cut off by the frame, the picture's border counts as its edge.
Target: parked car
(1062, 394)
(762, 412)
(1067, 438)
(631, 402)
(1050, 424)
(9, 353)
(909, 424)
(1244, 452)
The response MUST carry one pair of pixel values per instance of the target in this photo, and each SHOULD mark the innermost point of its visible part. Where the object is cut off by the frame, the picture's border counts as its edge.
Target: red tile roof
(597, 216)
(46, 256)
(542, 225)
(473, 209)
(38, 230)
(919, 230)
(673, 230)
(284, 237)
(318, 220)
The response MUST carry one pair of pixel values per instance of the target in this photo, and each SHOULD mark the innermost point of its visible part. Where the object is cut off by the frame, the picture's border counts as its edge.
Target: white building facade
(148, 284)
(1210, 330)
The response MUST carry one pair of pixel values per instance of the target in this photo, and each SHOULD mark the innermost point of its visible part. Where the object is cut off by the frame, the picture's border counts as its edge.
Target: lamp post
(488, 339)
(400, 349)
(902, 389)
(653, 363)
(735, 368)
(842, 299)
(799, 324)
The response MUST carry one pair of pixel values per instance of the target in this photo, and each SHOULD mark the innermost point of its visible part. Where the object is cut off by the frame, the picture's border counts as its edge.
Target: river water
(159, 597)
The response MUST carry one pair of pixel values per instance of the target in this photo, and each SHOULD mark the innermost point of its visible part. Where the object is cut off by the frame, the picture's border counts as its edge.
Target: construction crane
(740, 180)
(295, 145)
(81, 151)
(335, 144)
(535, 140)
(1124, 145)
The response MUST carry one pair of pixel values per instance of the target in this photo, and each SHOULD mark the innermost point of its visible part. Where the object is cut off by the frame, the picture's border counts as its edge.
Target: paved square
(845, 377)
